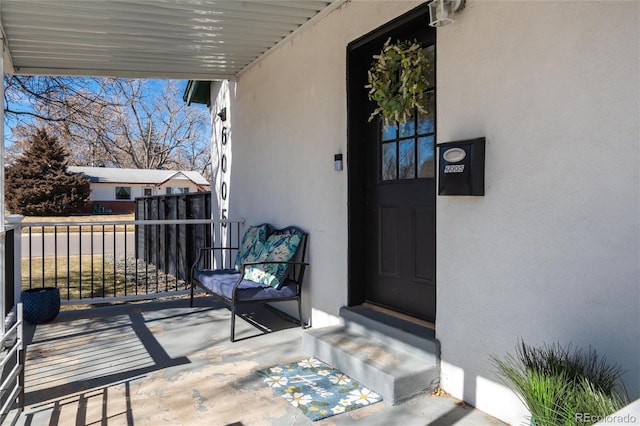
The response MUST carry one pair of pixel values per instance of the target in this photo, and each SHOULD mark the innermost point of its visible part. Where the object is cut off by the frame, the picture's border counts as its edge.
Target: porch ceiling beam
(203, 62)
(128, 23)
(129, 73)
(88, 67)
(160, 43)
(26, 34)
(36, 51)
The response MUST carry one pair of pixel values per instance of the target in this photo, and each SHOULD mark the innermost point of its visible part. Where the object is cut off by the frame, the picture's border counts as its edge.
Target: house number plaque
(223, 168)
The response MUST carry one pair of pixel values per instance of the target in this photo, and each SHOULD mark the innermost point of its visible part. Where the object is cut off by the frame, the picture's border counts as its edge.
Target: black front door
(400, 220)
(392, 220)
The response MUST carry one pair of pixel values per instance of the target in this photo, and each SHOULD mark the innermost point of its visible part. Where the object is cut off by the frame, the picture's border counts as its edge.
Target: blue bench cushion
(221, 282)
(252, 243)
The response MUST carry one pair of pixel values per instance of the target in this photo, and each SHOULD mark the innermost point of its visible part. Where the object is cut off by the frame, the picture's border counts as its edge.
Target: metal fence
(173, 247)
(114, 260)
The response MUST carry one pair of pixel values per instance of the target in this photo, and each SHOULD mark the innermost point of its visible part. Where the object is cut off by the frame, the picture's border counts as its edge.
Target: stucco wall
(551, 253)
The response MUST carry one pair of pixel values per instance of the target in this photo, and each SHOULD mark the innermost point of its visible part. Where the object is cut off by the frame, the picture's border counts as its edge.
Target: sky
(155, 84)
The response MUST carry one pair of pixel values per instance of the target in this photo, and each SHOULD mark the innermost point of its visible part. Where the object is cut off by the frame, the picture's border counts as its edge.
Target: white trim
(136, 222)
(6, 53)
(124, 74)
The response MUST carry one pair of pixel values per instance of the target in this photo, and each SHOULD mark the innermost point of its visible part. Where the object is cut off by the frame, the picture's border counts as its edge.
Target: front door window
(407, 148)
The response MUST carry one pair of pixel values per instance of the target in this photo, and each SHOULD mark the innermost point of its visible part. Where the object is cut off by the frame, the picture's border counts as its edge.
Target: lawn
(77, 276)
(92, 276)
(87, 276)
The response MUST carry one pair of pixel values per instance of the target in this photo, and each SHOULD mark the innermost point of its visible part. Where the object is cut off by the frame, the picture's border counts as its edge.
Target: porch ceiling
(193, 39)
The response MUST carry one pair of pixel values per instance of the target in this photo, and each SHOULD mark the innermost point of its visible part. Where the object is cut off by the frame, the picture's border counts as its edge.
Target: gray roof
(137, 176)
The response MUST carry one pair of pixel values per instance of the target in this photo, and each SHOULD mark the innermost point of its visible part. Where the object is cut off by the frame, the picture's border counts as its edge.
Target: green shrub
(559, 385)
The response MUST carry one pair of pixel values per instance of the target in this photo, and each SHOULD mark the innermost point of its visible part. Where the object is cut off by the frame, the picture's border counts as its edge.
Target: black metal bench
(231, 286)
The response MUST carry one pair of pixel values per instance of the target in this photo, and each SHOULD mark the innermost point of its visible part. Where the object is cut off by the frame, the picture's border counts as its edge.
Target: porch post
(3, 239)
(15, 220)
(2, 214)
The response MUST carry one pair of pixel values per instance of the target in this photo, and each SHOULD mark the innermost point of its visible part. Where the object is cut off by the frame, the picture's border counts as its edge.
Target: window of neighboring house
(148, 192)
(123, 192)
(176, 191)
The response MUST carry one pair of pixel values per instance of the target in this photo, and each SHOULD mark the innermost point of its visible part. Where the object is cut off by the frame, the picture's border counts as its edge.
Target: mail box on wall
(461, 167)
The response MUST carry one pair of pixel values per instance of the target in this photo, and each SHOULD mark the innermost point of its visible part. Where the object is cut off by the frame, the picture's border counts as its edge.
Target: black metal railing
(118, 259)
(9, 282)
(12, 370)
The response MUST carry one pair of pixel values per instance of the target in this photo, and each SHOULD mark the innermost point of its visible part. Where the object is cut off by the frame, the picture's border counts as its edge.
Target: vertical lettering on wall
(223, 170)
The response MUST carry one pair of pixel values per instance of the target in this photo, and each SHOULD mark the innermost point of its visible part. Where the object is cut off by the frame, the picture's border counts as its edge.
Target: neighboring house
(549, 254)
(114, 190)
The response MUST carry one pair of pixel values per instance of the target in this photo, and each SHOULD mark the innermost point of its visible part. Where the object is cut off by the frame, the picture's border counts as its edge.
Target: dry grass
(78, 219)
(85, 276)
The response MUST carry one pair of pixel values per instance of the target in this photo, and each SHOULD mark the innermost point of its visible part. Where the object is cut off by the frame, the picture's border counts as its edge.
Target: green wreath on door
(397, 81)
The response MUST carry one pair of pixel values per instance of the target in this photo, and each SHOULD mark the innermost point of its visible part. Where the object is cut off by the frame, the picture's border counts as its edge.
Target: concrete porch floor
(164, 363)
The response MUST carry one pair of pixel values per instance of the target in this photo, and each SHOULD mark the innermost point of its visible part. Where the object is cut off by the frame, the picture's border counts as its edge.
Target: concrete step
(386, 357)
(408, 336)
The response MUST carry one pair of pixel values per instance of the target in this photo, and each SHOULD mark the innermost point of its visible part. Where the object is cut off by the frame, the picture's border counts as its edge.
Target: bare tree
(115, 122)
(50, 99)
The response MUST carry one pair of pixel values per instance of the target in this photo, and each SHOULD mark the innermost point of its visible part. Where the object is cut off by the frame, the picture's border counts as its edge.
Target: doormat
(317, 389)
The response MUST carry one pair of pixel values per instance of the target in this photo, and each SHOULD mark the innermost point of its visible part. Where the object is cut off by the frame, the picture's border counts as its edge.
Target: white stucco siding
(102, 192)
(289, 119)
(551, 253)
(107, 191)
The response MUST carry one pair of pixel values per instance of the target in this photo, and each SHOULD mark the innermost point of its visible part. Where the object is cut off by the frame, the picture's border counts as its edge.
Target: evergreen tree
(38, 184)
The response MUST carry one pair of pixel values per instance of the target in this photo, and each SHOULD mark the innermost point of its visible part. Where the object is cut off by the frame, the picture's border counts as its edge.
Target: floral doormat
(317, 389)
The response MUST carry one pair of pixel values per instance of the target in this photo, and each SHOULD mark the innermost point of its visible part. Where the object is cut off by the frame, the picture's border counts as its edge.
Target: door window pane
(389, 161)
(407, 128)
(407, 148)
(426, 163)
(429, 52)
(425, 121)
(388, 131)
(407, 159)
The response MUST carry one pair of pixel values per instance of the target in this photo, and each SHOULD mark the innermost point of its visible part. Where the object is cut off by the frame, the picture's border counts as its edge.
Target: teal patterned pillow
(279, 247)
(252, 244)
